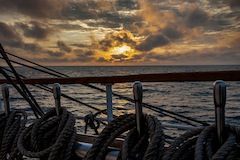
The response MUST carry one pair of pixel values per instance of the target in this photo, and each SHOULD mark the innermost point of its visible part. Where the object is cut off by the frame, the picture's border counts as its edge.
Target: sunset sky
(122, 32)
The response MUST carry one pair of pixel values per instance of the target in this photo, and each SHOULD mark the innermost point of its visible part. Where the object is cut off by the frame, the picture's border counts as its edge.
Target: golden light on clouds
(121, 49)
(133, 32)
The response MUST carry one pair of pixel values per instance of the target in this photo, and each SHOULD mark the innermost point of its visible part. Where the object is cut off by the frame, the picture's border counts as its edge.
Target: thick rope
(186, 141)
(51, 137)
(228, 150)
(153, 136)
(11, 126)
(202, 144)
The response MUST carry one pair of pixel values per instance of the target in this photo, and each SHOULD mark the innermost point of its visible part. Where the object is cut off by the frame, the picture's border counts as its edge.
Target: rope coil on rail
(121, 124)
(51, 137)
(201, 144)
(11, 127)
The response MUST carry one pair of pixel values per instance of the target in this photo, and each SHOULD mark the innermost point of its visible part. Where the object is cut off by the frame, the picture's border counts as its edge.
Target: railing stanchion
(5, 94)
(219, 102)
(109, 102)
(137, 93)
(57, 97)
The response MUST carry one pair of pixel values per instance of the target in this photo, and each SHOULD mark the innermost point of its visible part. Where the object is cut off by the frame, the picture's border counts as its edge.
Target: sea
(191, 99)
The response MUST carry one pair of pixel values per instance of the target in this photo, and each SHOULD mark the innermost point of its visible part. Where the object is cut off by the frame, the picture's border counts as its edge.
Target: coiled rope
(51, 137)
(11, 127)
(202, 144)
(133, 145)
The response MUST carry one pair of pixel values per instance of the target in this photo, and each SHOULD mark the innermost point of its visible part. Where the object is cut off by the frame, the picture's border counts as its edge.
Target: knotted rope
(51, 137)
(11, 127)
(92, 121)
(153, 136)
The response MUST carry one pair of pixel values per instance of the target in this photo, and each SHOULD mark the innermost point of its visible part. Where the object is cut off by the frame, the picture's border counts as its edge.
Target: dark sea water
(192, 99)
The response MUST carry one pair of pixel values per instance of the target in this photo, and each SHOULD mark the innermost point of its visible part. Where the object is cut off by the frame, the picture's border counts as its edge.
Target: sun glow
(121, 49)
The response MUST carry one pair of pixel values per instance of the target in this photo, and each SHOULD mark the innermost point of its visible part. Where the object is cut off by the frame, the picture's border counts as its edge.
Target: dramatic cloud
(119, 32)
(172, 32)
(70, 27)
(63, 47)
(35, 30)
(118, 58)
(153, 41)
(8, 35)
(85, 56)
(234, 4)
(193, 16)
(102, 59)
(36, 8)
(127, 4)
(55, 54)
(116, 39)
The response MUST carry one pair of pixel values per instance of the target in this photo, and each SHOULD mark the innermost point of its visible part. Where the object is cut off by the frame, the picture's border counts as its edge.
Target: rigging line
(33, 68)
(36, 64)
(173, 113)
(151, 107)
(22, 85)
(66, 96)
(172, 116)
(123, 97)
(46, 88)
(19, 90)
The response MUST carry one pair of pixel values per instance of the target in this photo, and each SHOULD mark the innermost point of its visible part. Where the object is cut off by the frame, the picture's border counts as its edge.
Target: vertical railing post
(57, 97)
(137, 93)
(5, 94)
(109, 102)
(219, 102)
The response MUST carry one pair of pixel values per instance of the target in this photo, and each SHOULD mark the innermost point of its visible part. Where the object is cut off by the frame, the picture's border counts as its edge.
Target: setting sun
(121, 49)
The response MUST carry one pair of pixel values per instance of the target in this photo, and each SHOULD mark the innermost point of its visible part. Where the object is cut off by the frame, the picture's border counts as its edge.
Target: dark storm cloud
(36, 8)
(8, 35)
(224, 21)
(115, 20)
(101, 15)
(137, 57)
(35, 30)
(63, 47)
(193, 16)
(80, 45)
(116, 39)
(32, 48)
(119, 57)
(172, 32)
(234, 4)
(69, 27)
(203, 56)
(101, 60)
(80, 11)
(127, 4)
(55, 54)
(85, 55)
(153, 41)
(160, 57)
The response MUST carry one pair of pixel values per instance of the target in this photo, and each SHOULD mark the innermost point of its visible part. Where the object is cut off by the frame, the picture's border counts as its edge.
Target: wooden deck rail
(162, 77)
